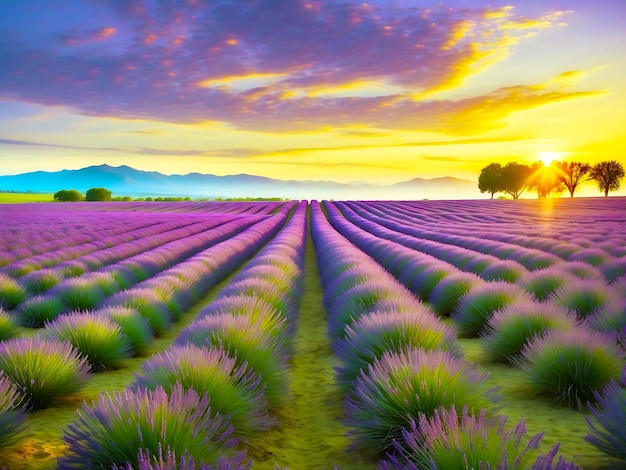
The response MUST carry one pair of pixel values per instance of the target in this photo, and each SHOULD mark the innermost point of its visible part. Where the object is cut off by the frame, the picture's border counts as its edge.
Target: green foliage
(36, 311)
(607, 175)
(96, 337)
(112, 431)
(490, 179)
(12, 293)
(98, 194)
(8, 326)
(68, 195)
(569, 367)
(43, 370)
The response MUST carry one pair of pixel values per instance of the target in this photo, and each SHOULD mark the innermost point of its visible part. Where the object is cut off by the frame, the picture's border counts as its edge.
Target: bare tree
(572, 174)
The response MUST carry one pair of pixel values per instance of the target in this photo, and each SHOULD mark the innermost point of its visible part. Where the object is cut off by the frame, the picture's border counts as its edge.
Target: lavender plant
(12, 293)
(36, 311)
(12, 415)
(38, 282)
(235, 392)
(509, 330)
(476, 308)
(248, 343)
(584, 297)
(543, 283)
(134, 326)
(606, 430)
(446, 441)
(96, 337)
(569, 367)
(8, 326)
(401, 385)
(124, 428)
(446, 295)
(374, 334)
(506, 271)
(43, 370)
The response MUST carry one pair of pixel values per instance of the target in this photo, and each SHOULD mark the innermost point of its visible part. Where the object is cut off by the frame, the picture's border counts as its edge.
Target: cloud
(277, 65)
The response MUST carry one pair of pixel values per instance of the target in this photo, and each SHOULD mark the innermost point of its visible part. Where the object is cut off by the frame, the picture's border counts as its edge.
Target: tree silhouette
(514, 179)
(68, 195)
(490, 179)
(607, 175)
(572, 174)
(543, 179)
(98, 194)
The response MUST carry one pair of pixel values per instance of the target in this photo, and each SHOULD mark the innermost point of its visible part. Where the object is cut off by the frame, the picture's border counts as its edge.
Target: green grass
(20, 198)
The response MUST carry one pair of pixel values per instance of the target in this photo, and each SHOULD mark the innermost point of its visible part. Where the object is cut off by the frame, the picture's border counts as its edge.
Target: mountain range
(126, 181)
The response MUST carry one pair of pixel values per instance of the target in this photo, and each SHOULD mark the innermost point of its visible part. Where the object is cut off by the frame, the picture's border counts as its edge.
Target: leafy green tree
(572, 174)
(98, 194)
(68, 195)
(543, 179)
(490, 179)
(607, 175)
(514, 179)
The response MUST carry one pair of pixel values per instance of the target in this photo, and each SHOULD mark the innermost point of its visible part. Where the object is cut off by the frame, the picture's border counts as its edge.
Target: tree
(98, 194)
(572, 174)
(490, 179)
(514, 179)
(608, 175)
(543, 179)
(68, 195)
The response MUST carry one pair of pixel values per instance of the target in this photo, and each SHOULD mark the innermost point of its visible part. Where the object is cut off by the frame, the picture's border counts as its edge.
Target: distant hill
(127, 181)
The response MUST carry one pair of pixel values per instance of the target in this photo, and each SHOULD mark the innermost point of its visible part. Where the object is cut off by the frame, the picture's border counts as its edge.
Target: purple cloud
(179, 62)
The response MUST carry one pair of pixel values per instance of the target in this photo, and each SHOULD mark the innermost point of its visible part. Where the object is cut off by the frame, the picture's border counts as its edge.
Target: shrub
(543, 283)
(248, 343)
(569, 367)
(445, 296)
(78, 293)
(12, 293)
(357, 301)
(592, 256)
(36, 311)
(475, 308)
(148, 304)
(115, 429)
(8, 327)
(446, 441)
(510, 329)
(133, 325)
(507, 271)
(12, 416)
(169, 461)
(278, 296)
(96, 337)
(235, 392)
(584, 297)
(581, 270)
(43, 369)
(373, 334)
(614, 268)
(400, 386)
(38, 282)
(608, 432)
(425, 281)
(254, 308)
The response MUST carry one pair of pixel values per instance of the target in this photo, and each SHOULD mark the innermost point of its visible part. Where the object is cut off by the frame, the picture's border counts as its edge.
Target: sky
(383, 91)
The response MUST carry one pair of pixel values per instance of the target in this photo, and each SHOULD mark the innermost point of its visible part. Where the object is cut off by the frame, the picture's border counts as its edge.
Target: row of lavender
(219, 383)
(37, 371)
(403, 374)
(566, 334)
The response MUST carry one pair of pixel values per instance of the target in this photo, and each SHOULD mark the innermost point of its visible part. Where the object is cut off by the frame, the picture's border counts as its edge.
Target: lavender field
(313, 335)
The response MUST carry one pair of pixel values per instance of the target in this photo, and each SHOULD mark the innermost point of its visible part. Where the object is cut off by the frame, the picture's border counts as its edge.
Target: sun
(548, 157)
